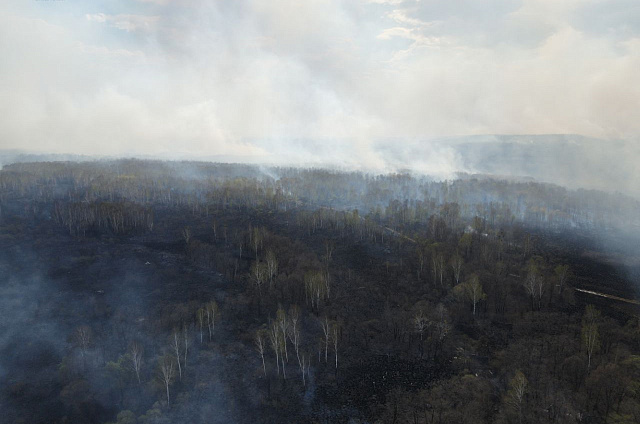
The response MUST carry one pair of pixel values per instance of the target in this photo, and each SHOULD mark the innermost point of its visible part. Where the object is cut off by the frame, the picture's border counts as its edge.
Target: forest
(140, 291)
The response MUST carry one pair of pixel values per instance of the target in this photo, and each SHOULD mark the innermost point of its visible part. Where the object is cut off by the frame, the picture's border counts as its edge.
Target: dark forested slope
(156, 292)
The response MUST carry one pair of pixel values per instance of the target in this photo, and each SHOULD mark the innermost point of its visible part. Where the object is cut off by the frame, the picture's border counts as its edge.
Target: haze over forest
(368, 84)
(320, 211)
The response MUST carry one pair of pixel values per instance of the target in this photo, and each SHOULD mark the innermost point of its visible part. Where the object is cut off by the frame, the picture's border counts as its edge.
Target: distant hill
(569, 160)
(18, 156)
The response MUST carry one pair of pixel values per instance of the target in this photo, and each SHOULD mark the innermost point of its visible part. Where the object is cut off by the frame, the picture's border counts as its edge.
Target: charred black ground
(409, 300)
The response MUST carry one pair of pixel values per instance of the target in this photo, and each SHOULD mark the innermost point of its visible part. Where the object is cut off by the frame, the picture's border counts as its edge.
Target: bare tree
(562, 273)
(303, 366)
(167, 374)
(316, 287)
(135, 351)
(534, 285)
(186, 235)
(258, 275)
(527, 245)
(212, 312)
(329, 246)
(201, 317)
(283, 324)
(326, 330)
(590, 331)
(456, 264)
(83, 339)
(590, 337)
(256, 240)
(421, 257)
(187, 342)
(175, 345)
(442, 326)
(515, 395)
(334, 339)
(294, 331)
(474, 291)
(272, 266)
(274, 339)
(471, 291)
(420, 323)
(328, 254)
(259, 343)
(437, 261)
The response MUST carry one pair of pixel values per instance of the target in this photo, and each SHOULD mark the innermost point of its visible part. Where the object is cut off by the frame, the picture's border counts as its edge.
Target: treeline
(401, 198)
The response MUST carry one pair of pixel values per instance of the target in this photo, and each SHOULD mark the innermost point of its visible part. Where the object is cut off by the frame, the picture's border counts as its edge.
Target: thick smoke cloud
(316, 81)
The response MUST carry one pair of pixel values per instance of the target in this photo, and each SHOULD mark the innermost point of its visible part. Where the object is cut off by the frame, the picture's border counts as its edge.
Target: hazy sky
(254, 77)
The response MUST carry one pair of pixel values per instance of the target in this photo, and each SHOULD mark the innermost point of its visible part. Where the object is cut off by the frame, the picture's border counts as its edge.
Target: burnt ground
(141, 282)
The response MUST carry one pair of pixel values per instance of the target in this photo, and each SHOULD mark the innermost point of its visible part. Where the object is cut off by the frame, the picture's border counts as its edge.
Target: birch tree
(420, 253)
(187, 342)
(590, 332)
(420, 323)
(562, 273)
(294, 331)
(167, 374)
(176, 342)
(259, 344)
(274, 339)
(326, 331)
(283, 324)
(83, 339)
(200, 315)
(456, 264)
(186, 235)
(135, 352)
(256, 240)
(334, 340)
(471, 291)
(272, 267)
(258, 275)
(515, 394)
(212, 312)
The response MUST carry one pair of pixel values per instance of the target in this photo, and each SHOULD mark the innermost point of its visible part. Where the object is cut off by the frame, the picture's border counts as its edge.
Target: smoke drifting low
(317, 82)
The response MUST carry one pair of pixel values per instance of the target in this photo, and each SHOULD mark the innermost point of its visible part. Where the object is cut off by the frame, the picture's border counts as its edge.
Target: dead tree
(135, 351)
(200, 315)
(294, 331)
(334, 339)
(272, 267)
(175, 345)
(283, 324)
(303, 365)
(259, 343)
(258, 275)
(274, 339)
(326, 330)
(212, 312)
(187, 342)
(83, 341)
(186, 235)
(420, 323)
(256, 240)
(167, 374)
(456, 264)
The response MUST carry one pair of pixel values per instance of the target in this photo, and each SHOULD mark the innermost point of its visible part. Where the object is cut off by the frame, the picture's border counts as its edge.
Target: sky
(311, 79)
